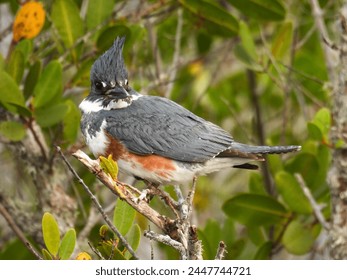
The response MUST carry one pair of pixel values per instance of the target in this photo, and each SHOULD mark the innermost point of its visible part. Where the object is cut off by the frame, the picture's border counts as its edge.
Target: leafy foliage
(254, 67)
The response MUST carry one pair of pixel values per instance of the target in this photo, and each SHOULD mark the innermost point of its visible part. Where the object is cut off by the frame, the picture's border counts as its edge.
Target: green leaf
(67, 245)
(66, 19)
(256, 235)
(247, 41)
(16, 65)
(71, 122)
(255, 209)
(51, 234)
(49, 116)
(98, 11)
(242, 54)
(49, 86)
(264, 251)
(314, 131)
(297, 238)
(256, 184)
(107, 36)
(46, 255)
(268, 10)
(292, 193)
(282, 41)
(133, 237)
(321, 122)
(123, 216)
(26, 47)
(213, 235)
(32, 78)
(307, 165)
(14, 131)
(212, 13)
(109, 166)
(10, 93)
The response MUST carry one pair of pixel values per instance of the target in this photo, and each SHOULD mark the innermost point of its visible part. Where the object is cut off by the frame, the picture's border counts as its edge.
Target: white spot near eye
(103, 84)
(125, 81)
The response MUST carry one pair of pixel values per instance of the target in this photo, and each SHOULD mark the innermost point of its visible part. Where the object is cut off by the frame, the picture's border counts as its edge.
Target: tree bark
(337, 177)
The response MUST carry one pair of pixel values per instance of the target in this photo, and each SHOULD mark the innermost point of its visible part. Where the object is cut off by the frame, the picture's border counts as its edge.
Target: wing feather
(155, 125)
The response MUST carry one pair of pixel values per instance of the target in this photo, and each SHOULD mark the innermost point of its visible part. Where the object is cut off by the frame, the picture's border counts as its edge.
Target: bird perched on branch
(153, 138)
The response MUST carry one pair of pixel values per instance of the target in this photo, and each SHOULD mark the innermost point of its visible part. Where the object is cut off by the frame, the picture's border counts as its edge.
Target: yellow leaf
(83, 256)
(29, 21)
(109, 166)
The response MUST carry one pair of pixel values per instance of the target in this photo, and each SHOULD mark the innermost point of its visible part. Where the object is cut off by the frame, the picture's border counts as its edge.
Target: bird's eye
(98, 85)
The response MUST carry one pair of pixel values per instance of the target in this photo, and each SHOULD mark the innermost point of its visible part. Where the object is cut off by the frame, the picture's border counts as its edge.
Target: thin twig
(165, 239)
(190, 196)
(260, 129)
(7, 216)
(316, 208)
(152, 36)
(220, 251)
(318, 13)
(96, 251)
(177, 51)
(98, 206)
(165, 197)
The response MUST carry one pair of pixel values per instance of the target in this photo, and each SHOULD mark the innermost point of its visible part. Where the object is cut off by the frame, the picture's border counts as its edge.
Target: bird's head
(109, 76)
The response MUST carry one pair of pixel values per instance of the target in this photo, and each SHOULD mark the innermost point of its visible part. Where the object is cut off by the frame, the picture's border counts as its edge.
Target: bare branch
(165, 239)
(128, 194)
(7, 216)
(316, 208)
(98, 206)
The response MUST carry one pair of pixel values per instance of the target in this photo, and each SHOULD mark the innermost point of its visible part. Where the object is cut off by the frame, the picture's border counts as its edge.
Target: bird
(152, 138)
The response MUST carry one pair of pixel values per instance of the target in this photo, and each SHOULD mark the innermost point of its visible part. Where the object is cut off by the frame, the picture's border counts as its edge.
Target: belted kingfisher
(153, 138)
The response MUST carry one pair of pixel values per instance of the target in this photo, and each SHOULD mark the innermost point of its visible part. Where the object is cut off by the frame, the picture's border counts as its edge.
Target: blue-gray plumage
(154, 138)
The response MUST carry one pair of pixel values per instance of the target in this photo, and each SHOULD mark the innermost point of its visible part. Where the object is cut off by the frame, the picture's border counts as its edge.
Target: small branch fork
(177, 233)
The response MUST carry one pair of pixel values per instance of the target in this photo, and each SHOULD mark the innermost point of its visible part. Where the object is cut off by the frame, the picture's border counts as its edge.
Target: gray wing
(155, 125)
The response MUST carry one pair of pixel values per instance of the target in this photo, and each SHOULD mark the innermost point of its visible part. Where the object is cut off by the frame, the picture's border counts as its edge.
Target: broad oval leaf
(292, 193)
(14, 131)
(16, 65)
(268, 10)
(49, 116)
(51, 234)
(49, 85)
(297, 238)
(67, 245)
(26, 47)
(133, 237)
(32, 78)
(307, 165)
(66, 18)
(255, 209)
(71, 122)
(123, 216)
(46, 255)
(107, 36)
(10, 93)
(282, 41)
(264, 251)
(98, 11)
(212, 13)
